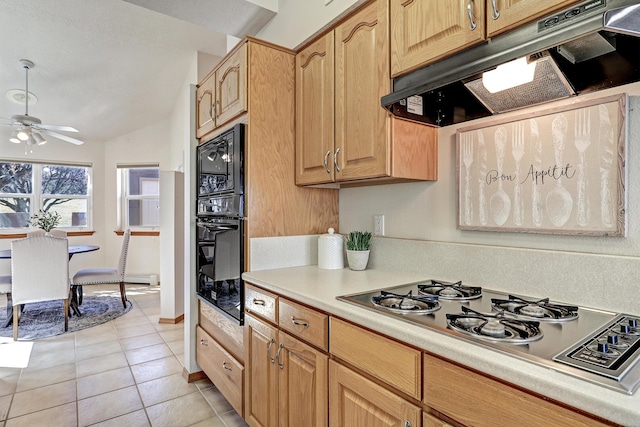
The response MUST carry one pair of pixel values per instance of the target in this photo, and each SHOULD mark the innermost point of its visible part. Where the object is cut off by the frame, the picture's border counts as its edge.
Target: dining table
(75, 298)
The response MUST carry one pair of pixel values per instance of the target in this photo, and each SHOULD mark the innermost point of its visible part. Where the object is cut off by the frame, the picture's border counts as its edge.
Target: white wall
(148, 145)
(298, 20)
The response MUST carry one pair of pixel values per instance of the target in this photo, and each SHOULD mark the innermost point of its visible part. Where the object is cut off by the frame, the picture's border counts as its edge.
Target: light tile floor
(127, 372)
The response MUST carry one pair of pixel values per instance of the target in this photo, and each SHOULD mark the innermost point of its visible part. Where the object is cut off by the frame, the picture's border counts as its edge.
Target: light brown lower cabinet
(286, 379)
(356, 401)
(476, 400)
(221, 367)
(429, 420)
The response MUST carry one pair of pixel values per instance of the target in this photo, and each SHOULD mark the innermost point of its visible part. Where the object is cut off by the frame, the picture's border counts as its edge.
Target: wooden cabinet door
(315, 112)
(261, 373)
(205, 95)
(231, 86)
(303, 384)
(423, 31)
(358, 402)
(503, 15)
(362, 77)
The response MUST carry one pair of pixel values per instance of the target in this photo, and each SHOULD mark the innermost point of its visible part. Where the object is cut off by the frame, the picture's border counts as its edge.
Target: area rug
(46, 319)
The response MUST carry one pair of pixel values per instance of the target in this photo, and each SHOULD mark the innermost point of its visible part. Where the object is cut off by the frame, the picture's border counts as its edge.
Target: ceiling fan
(29, 129)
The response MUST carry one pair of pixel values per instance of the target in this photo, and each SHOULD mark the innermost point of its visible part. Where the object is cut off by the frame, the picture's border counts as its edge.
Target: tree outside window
(58, 188)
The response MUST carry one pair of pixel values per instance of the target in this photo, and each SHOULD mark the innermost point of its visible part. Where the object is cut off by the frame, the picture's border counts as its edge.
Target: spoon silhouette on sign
(559, 202)
(500, 203)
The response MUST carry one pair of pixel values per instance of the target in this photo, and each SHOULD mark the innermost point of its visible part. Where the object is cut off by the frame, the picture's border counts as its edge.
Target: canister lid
(331, 235)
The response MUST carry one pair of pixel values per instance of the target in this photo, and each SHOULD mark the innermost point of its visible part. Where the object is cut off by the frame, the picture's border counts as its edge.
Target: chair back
(56, 232)
(122, 263)
(39, 269)
(36, 232)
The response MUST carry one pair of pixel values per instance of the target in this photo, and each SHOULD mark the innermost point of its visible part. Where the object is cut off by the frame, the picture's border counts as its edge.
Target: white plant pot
(357, 259)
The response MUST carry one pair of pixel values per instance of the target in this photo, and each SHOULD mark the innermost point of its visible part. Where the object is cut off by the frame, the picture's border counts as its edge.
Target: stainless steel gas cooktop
(599, 346)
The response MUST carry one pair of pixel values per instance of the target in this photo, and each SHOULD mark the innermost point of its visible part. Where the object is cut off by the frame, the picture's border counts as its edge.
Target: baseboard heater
(149, 279)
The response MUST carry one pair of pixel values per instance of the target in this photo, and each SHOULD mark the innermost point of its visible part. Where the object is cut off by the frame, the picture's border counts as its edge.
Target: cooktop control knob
(633, 323)
(612, 339)
(624, 329)
(603, 347)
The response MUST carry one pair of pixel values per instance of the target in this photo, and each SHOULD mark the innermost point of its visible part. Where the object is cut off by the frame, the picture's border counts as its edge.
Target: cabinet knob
(204, 343)
(407, 424)
(227, 367)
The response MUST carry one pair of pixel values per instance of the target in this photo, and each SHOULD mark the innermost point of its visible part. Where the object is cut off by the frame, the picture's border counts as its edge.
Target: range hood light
(508, 75)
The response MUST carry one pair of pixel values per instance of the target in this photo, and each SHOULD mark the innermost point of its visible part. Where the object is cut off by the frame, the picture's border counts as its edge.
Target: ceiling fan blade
(63, 137)
(59, 128)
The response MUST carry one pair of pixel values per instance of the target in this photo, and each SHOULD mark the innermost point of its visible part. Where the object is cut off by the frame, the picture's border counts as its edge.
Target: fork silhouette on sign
(517, 150)
(467, 159)
(582, 132)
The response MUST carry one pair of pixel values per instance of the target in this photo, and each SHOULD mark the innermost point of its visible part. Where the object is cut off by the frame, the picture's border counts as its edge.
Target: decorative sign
(559, 171)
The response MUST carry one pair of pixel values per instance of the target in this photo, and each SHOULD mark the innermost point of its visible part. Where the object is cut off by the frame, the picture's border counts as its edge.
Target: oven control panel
(611, 351)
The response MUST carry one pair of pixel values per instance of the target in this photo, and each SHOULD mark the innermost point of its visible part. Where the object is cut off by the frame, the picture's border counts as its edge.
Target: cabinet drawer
(396, 364)
(305, 323)
(261, 303)
(487, 400)
(221, 368)
(222, 329)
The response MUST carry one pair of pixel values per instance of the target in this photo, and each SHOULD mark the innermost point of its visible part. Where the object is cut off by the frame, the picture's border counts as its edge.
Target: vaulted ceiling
(109, 67)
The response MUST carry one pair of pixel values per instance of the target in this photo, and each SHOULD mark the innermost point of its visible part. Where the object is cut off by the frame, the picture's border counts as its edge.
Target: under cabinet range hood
(591, 46)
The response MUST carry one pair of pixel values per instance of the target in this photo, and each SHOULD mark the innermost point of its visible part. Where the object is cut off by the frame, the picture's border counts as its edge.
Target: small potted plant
(358, 244)
(45, 220)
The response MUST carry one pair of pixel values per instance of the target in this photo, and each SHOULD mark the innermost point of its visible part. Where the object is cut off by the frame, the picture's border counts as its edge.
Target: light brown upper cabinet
(503, 15)
(423, 31)
(343, 135)
(222, 95)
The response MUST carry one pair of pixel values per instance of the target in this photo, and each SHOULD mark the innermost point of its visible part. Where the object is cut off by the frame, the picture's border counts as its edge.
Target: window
(27, 188)
(140, 197)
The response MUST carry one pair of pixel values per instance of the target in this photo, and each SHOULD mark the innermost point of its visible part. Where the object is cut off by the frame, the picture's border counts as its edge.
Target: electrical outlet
(378, 225)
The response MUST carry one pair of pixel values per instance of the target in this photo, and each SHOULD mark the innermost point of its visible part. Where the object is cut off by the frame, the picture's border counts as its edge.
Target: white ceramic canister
(330, 251)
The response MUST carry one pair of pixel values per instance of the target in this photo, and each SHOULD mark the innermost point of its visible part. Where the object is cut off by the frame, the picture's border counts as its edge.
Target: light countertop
(319, 288)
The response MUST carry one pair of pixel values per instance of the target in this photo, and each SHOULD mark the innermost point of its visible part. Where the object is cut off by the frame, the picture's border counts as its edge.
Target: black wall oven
(220, 222)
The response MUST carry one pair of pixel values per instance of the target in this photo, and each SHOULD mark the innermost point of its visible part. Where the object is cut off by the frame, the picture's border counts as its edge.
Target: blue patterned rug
(46, 319)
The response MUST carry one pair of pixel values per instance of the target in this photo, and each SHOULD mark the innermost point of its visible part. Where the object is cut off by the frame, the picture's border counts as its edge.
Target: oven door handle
(217, 227)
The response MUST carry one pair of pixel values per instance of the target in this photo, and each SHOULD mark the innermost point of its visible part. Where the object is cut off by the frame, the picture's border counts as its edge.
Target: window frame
(123, 177)
(36, 198)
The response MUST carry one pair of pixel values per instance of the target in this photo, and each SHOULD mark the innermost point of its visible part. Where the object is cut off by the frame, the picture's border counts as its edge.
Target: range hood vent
(591, 46)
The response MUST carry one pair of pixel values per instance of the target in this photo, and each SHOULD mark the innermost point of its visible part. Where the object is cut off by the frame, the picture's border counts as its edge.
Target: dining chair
(56, 232)
(5, 288)
(98, 276)
(39, 272)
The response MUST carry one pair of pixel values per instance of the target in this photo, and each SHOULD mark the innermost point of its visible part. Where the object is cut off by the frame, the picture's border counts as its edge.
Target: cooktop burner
(450, 291)
(495, 327)
(541, 310)
(406, 304)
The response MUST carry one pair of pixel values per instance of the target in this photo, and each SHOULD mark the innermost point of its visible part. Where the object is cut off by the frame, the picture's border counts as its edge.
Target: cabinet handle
(472, 25)
(227, 367)
(258, 301)
(299, 322)
(280, 347)
(326, 161)
(407, 424)
(204, 343)
(217, 103)
(335, 160)
(495, 15)
(272, 360)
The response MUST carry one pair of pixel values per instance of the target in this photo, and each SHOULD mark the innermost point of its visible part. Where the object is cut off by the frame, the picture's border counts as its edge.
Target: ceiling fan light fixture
(23, 134)
(39, 139)
(14, 137)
